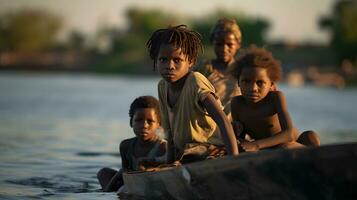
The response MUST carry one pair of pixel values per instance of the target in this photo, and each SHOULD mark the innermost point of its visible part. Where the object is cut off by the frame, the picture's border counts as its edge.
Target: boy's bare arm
(236, 123)
(170, 148)
(213, 108)
(123, 148)
(287, 131)
(238, 129)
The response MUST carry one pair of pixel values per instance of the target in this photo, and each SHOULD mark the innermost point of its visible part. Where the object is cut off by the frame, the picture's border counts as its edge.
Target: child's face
(225, 47)
(144, 123)
(171, 63)
(254, 83)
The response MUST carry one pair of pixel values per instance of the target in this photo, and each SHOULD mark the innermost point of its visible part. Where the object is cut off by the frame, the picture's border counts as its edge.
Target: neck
(147, 142)
(178, 85)
(221, 65)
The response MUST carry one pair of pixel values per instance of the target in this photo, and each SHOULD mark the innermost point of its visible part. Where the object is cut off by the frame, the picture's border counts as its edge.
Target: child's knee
(309, 138)
(291, 145)
(102, 172)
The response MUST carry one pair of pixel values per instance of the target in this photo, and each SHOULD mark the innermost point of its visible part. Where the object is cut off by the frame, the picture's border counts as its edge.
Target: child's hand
(149, 163)
(141, 168)
(250, 146)
(237, 128)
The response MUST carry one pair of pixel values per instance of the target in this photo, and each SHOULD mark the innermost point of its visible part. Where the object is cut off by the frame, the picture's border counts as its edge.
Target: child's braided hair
(188, 41)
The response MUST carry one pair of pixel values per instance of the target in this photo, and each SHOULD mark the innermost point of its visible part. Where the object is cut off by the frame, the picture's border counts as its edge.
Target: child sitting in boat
(190, 110)
(141, 152)
(260, 111)
(226, 38)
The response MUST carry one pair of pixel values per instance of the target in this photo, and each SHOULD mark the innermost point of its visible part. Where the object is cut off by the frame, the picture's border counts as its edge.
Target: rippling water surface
(57, 130)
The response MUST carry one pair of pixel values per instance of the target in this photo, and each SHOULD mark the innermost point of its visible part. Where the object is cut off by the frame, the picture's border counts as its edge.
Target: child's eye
(151, 121)
(260, 83)
(162, 60)
(244, 81)
(177, 60)
(137, 120)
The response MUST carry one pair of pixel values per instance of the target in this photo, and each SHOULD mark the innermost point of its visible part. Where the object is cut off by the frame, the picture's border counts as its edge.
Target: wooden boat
(327, 172)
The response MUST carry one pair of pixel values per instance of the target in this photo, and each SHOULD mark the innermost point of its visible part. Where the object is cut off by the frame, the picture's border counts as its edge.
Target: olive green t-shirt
(190, 122)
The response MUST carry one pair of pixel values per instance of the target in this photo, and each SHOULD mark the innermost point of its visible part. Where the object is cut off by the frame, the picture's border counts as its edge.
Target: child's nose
(145, 124)
(225, 47)
(171, 65)
(254, 87)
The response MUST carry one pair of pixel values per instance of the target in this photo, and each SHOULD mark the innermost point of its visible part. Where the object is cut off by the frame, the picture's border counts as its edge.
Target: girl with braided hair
(191, 112)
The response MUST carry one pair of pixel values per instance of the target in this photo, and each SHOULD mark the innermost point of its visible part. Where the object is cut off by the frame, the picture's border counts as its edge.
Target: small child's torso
(154, 154)
(259, 121)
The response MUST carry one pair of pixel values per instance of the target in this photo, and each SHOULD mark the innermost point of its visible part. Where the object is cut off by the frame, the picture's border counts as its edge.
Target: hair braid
(188, 41)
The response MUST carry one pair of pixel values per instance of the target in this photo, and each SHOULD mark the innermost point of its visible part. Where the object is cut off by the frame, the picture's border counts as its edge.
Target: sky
(291, 20)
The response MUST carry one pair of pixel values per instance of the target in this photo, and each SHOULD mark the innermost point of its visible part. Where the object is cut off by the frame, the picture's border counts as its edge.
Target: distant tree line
(342, 25)
(128, 51)
(124, 49)
(28, 30)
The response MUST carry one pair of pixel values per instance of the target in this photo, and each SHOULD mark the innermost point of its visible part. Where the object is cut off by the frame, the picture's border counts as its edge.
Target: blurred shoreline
(302, 64)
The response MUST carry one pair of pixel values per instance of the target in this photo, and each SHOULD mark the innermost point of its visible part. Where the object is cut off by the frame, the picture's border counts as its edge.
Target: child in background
(260, 111)
(226, 38)
(190, 109)
(141, 152)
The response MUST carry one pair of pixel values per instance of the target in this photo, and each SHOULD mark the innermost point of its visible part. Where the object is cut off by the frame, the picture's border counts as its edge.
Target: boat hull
(327, 172)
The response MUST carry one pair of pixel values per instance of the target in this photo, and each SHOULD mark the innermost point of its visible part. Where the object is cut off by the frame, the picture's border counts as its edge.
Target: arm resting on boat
(227, 133)
(170, 148)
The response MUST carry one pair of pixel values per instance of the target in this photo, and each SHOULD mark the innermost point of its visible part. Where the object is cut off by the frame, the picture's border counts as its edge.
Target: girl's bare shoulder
(277, 96)
(237, 100)
(125, 143)
(162, 148)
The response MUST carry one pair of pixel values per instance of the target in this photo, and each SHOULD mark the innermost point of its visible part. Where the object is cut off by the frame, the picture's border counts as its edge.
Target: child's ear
(273, 86)
(190, 67)
(239, 45)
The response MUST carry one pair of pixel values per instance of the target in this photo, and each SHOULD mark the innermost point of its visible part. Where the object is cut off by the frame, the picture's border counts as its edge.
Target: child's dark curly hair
(144, 102)
(180, 37)
(258, 57)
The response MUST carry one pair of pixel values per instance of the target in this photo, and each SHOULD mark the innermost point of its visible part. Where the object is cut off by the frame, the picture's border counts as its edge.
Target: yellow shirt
(189, 122)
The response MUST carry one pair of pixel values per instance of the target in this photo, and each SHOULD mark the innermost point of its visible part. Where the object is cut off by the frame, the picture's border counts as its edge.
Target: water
(58, 130)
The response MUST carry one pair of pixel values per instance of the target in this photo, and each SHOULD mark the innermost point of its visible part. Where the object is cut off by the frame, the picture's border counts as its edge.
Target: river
(58, 130)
